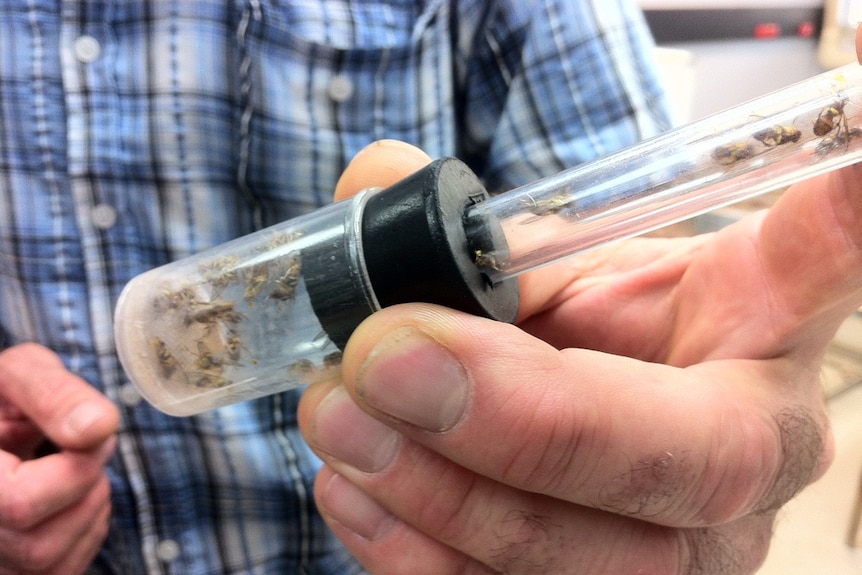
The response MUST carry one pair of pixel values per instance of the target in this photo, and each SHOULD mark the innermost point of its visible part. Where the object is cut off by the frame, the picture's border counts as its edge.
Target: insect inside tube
(285, 284)
(206, 360)
(300, 369)
(211, 380)
(485, 260)
(732, 153)
(831, 117)
(233, 348)
(332, 359)
(220, 272)
(548, 206)
(209, 313)
(175, 299)
(778, 135)
(254, 282)
(841, 140)
(167, 362)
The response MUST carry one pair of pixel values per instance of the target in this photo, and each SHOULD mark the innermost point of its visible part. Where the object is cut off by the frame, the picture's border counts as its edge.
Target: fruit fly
(285, 284)
(172, 300)
(211, 380)
(831, 117)
(841, 140)
(778, 135)
(210, 312)
(220, 272)
(485, 260)
(254, 282)
(332, 359)
(233, 348)
(206, 360)
(732, 153)
(167, 362)
(300, 369)
(548, 206)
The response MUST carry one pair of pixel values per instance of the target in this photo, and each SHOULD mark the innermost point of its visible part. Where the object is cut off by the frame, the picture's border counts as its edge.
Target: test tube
(759, 146)
(273, 310)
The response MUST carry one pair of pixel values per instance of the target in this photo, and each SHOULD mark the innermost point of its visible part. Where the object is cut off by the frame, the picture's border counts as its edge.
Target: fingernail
(349, 434)
(80, 419)
(411, 377)
(351, 507)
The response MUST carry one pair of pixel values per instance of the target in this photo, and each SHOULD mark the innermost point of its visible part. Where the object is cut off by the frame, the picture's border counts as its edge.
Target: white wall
(720, 4)
(721, 74)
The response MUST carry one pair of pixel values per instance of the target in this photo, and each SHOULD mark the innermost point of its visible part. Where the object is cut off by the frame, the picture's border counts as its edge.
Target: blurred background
(719, 53)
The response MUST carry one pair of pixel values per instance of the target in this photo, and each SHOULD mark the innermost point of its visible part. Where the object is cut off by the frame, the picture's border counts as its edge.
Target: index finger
(72, 413)
(380, 164)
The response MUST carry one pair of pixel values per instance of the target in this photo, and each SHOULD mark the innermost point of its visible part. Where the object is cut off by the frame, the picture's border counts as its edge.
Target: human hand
(54, 509)
(676, 408)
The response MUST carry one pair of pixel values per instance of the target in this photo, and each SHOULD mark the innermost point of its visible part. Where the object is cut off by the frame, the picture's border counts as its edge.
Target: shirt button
(129, 395)
(87, 49)
(167, 550)
(340, 88)
(103, 216)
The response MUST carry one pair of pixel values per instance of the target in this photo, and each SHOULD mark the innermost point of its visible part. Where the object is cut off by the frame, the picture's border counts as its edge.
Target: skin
(563, 444)
(655, 405)
(54, 509)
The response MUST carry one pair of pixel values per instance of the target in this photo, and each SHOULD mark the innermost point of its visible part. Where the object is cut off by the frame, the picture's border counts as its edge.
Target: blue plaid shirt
(135, 132)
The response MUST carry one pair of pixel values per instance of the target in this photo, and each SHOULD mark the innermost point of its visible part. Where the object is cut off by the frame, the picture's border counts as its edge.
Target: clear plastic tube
(248, 318)
(762, 145)
(273, 310)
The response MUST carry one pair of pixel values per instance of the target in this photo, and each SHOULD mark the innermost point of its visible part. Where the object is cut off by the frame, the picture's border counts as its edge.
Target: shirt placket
(85, 45)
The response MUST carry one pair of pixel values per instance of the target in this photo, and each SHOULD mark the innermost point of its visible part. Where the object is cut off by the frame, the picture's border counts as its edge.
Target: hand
(675, 409)
(54, 509)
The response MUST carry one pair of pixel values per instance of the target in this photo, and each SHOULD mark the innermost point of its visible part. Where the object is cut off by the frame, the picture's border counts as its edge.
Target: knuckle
(803, 455)
(775, 460)
(736, 549)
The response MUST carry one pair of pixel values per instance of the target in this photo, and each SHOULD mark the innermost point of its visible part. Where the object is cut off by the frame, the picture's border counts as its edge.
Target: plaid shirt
(134, 132)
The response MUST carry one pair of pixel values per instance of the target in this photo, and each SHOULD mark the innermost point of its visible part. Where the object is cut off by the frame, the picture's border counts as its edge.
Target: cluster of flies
(212, 323)
(830, 125)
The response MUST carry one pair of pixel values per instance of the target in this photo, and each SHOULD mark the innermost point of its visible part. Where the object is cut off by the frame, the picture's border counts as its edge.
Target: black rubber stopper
(415, 250)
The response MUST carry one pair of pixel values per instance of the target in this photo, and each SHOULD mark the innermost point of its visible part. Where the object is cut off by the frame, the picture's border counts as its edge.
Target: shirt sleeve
(549, 84)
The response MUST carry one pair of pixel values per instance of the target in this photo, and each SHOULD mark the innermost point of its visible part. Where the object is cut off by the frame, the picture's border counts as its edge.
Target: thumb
(65, 407)
(380, 164)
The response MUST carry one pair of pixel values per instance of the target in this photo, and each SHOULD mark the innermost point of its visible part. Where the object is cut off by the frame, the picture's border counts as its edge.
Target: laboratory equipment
(273, 310)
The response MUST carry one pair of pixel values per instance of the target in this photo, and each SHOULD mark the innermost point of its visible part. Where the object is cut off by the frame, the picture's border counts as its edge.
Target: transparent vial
(770, 142)
(238, 321)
